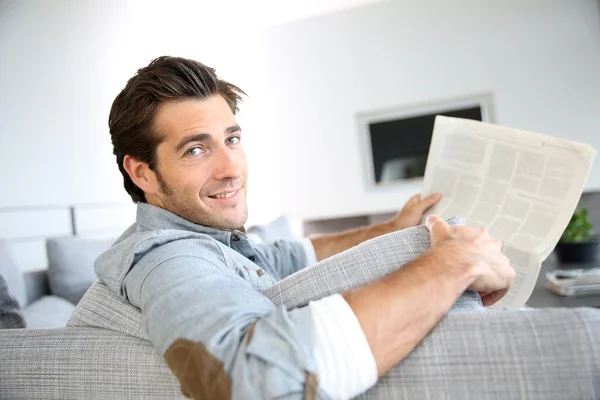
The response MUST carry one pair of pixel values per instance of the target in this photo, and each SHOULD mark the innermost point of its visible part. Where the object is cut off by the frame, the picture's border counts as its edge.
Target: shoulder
(164, 244)
(198, 249)
(144, 250)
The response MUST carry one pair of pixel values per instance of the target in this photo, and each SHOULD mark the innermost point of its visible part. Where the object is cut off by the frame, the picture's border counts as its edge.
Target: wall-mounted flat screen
(398, 141)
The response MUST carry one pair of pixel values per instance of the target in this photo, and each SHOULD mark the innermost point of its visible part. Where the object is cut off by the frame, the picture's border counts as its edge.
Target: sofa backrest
(101, 308)
(541, 354)
(103, 353)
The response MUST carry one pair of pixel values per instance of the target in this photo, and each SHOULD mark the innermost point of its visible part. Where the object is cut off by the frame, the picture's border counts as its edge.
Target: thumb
(438, 228)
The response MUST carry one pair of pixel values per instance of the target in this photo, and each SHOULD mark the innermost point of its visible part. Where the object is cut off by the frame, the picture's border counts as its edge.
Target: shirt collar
(154, 218)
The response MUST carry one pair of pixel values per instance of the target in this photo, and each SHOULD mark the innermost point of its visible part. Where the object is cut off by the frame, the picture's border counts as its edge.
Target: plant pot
(584, 252)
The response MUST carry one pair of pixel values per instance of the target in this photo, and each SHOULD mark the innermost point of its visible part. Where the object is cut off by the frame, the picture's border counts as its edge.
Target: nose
(228, 163)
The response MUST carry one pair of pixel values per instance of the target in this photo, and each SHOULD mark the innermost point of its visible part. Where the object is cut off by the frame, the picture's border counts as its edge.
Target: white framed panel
(29, 255)
(103, 220)
(34, 223)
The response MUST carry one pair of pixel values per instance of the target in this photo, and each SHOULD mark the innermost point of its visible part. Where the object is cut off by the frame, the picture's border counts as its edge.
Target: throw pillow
(71, 265)
(279, 229)
(48, 312)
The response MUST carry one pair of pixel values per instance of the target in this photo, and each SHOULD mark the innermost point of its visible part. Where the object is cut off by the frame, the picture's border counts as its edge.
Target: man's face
(201, 166)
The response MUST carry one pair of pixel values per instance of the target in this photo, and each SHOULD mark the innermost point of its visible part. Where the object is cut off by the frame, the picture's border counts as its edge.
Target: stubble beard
(176, 203)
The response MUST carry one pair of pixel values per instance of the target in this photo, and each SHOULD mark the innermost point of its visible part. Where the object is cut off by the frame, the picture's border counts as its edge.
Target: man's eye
(194, 151)
(233, 140)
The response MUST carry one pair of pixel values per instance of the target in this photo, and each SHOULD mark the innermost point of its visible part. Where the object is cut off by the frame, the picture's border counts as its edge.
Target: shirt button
(252, 258)
(235, 238)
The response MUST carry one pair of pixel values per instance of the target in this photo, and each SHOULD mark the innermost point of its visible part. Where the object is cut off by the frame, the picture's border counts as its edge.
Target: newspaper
(522, 186)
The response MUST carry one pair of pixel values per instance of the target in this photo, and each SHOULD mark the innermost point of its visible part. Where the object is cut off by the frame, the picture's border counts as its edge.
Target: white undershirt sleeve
(346, 366)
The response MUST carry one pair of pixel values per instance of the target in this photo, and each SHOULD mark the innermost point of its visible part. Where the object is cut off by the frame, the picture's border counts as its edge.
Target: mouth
(226, 197)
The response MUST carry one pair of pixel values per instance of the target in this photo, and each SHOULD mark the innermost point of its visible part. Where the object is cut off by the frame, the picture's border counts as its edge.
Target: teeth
(224, 195)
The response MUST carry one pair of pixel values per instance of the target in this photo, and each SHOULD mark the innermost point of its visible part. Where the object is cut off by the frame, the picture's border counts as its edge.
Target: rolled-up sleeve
(219, 336)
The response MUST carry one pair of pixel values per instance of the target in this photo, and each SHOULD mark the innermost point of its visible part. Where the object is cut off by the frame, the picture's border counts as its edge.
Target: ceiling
(252, 14)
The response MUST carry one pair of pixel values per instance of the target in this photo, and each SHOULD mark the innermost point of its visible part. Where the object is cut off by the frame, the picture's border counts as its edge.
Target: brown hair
(132, 113)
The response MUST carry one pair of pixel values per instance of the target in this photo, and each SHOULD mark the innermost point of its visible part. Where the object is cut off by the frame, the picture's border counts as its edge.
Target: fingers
(432, 220)
(505, 276)
(422, 204)
(493, 297)
(414, 199)
(430, 201)
(438, 228)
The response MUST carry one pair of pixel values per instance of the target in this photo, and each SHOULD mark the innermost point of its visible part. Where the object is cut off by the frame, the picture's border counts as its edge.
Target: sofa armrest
(81, 363)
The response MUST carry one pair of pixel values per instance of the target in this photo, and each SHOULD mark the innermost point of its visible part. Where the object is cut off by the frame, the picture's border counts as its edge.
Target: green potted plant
(578, 243)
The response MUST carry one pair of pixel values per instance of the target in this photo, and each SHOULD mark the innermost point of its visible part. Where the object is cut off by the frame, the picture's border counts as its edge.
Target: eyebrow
(203, 137)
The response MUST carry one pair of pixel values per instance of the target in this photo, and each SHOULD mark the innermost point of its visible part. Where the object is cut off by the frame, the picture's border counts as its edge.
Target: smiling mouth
(224, 195)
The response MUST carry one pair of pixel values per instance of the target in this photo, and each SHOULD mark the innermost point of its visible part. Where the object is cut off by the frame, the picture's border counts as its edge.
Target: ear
(141, 174)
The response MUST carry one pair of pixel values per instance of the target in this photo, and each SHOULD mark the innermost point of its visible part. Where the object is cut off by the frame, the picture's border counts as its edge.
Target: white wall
(62, 62)
(540, 58)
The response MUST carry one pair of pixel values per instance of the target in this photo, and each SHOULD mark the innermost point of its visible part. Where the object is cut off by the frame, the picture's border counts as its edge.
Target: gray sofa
(48, 297)
(41, 309)
(104, 352)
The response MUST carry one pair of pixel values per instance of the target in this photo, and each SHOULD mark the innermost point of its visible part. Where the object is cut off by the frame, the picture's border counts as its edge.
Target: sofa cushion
(48, 312)
(278, 229)
(12, 274)
(71, 265)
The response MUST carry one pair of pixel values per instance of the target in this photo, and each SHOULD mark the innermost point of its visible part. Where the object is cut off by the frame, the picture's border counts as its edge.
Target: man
(188, 266)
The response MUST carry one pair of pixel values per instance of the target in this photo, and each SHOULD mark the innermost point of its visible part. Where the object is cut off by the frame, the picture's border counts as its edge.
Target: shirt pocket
(258, 277)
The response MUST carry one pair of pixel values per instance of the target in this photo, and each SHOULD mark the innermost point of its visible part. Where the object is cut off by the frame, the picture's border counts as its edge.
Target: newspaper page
(522, 186)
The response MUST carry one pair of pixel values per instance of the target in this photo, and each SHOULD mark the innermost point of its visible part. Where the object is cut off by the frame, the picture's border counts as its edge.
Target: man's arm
(411, 214)
(397, 311)
(220, 337)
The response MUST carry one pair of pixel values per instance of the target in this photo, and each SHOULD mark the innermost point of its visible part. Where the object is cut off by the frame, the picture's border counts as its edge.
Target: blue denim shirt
(199, 290)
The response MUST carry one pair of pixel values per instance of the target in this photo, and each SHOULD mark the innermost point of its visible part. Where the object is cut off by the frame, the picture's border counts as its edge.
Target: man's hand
(412, 212)
(461, 245)
(410, 215)
(397, 311)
